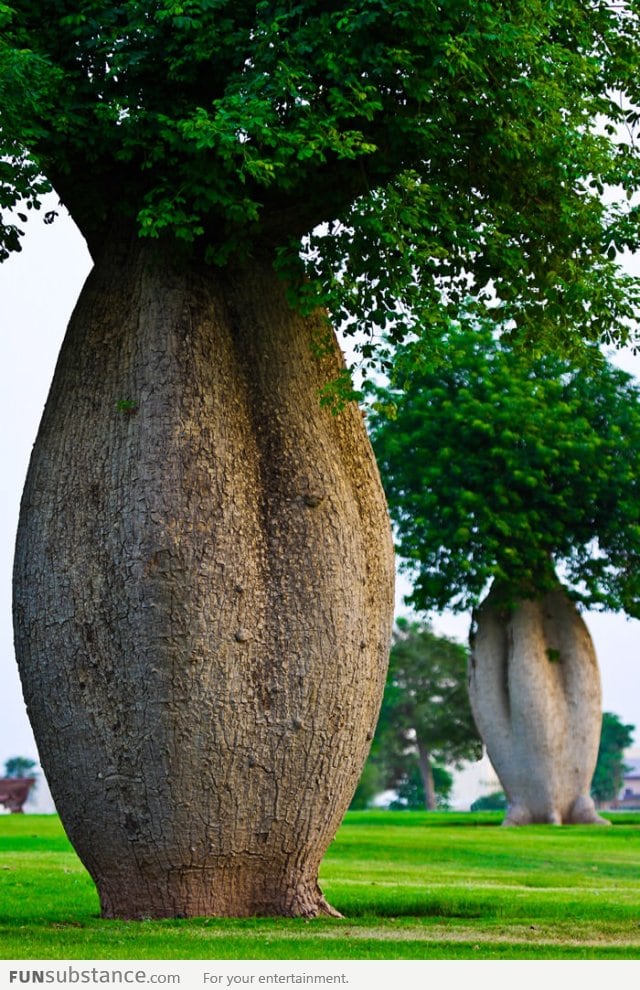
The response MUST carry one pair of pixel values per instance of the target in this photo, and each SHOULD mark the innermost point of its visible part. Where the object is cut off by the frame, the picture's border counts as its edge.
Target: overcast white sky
(38, 289)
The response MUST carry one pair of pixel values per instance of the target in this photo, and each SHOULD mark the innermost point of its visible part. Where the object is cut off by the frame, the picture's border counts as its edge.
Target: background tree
(609, 773)
(203, 571)
(425, 722)
(400, 775)
(500, 467)
(371, 784)
(496, 801)
(409, 787)
(19, 766)
(506, 468)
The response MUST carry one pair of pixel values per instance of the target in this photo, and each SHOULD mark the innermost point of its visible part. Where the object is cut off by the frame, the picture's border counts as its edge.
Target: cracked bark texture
(535, 693)
(203, 591)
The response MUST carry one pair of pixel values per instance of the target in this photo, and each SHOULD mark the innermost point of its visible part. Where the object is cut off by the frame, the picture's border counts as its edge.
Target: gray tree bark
(535, 693)
(203, 590)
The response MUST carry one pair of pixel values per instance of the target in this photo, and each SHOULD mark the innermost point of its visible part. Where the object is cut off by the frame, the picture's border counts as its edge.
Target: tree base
(581, 812)
(222, 893)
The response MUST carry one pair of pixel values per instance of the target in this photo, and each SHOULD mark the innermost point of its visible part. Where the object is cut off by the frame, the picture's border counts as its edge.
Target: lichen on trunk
(203, 590)
(535, 692)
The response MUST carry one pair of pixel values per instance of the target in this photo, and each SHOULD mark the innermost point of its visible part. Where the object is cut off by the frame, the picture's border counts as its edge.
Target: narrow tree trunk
(535, 693)
(203, 591)
(426, 775)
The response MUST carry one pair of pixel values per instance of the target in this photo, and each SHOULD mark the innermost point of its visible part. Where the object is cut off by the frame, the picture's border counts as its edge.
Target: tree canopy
(455, 151)
(501, 465)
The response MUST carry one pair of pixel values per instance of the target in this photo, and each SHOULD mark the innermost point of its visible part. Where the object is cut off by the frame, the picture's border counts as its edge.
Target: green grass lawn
(410, 885)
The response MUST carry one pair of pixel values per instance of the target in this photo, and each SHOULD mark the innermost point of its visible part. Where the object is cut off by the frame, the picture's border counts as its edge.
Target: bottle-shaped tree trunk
(203, 590)
(534, 686)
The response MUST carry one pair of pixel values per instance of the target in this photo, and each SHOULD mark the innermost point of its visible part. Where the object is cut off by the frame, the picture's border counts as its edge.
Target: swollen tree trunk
(535, 694)
(203, 591)
(426, 775)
